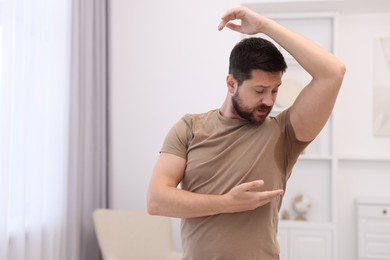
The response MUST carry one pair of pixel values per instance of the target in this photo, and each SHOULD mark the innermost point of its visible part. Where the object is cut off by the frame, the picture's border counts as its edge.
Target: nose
(268, 100)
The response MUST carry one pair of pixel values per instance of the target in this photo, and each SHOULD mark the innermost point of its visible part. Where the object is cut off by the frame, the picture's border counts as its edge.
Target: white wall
(167, 59)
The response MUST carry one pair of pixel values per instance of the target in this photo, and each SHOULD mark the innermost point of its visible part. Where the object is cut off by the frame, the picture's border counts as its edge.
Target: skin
(308, 115)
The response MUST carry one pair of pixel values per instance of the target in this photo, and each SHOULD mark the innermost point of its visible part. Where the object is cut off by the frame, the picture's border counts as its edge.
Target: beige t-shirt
(222, 153)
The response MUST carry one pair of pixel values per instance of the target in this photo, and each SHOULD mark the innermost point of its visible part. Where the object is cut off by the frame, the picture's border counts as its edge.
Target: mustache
(264, 107)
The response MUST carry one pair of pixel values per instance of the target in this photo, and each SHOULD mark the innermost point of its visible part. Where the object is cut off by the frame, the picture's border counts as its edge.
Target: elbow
(152, 206)
(343, 69)
(335, 76)
(340, 72)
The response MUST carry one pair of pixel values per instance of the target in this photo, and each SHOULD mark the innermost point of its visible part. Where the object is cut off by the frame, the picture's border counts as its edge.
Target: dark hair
(254, 53)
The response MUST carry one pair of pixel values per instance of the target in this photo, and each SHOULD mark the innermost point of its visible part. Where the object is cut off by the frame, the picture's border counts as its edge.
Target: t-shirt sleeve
(177, 140)
(289, 132)
(294, 147)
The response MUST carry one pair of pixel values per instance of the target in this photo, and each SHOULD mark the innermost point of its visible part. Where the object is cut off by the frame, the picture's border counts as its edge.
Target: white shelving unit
(315, 172)
(373, 215)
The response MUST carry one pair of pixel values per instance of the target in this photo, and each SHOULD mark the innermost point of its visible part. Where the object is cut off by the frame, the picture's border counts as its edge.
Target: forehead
(263, 78)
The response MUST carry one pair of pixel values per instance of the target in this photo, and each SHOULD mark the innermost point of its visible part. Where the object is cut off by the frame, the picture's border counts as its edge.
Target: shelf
(373, 200)
(365, 158)
(304, 224)
(310, 157)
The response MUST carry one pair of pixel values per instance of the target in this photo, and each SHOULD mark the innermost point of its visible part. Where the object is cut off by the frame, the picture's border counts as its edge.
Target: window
(33, 127)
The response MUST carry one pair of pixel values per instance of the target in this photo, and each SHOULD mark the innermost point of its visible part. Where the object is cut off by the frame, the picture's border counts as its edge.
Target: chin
(258, 121)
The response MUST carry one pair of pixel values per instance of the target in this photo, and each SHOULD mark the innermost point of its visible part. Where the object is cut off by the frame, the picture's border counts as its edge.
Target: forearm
(314, 104)
(170, 201)
(319, 63)
(174, 202)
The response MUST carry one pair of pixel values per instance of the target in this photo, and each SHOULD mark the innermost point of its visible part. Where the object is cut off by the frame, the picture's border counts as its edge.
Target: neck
(227, 109)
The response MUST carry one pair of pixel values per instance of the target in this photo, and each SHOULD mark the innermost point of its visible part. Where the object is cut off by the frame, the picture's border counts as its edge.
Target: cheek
(252, 101)
(249, 100)
(253, 98)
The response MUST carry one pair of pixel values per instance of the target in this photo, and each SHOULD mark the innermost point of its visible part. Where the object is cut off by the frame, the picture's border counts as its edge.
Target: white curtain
(88, 123)
(53, 164)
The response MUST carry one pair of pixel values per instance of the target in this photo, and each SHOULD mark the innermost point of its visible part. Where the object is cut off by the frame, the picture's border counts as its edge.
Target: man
(233, 163)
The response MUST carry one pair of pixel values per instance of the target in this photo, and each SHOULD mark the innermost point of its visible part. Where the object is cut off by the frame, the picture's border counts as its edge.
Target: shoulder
(200, 118)
(282, 119)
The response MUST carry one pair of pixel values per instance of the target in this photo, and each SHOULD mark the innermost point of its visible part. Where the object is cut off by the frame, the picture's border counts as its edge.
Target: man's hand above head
(251, 22)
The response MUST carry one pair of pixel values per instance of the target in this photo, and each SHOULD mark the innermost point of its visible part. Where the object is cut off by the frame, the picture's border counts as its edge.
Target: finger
(248, 186)
(268, 196)
(272, 193)
(230, 15)
(234, 27)
(221, 25)
(231, 26)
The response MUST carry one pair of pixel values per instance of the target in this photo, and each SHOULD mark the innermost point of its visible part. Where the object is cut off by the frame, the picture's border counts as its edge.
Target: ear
(231, 83)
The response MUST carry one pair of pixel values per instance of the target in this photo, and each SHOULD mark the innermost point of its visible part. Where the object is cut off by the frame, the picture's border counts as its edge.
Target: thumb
(234, 27)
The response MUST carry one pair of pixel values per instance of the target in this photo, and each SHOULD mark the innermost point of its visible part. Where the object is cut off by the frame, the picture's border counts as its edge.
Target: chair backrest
(126, 235)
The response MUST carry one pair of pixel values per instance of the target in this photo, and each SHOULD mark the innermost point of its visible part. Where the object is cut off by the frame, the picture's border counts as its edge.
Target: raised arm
(164, 198)
(314, 104)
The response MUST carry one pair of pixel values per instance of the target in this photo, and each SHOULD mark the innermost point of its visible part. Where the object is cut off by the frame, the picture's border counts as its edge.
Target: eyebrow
(262, 86)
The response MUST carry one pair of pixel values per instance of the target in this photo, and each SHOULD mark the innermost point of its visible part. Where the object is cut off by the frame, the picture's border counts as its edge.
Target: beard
(250, 114)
